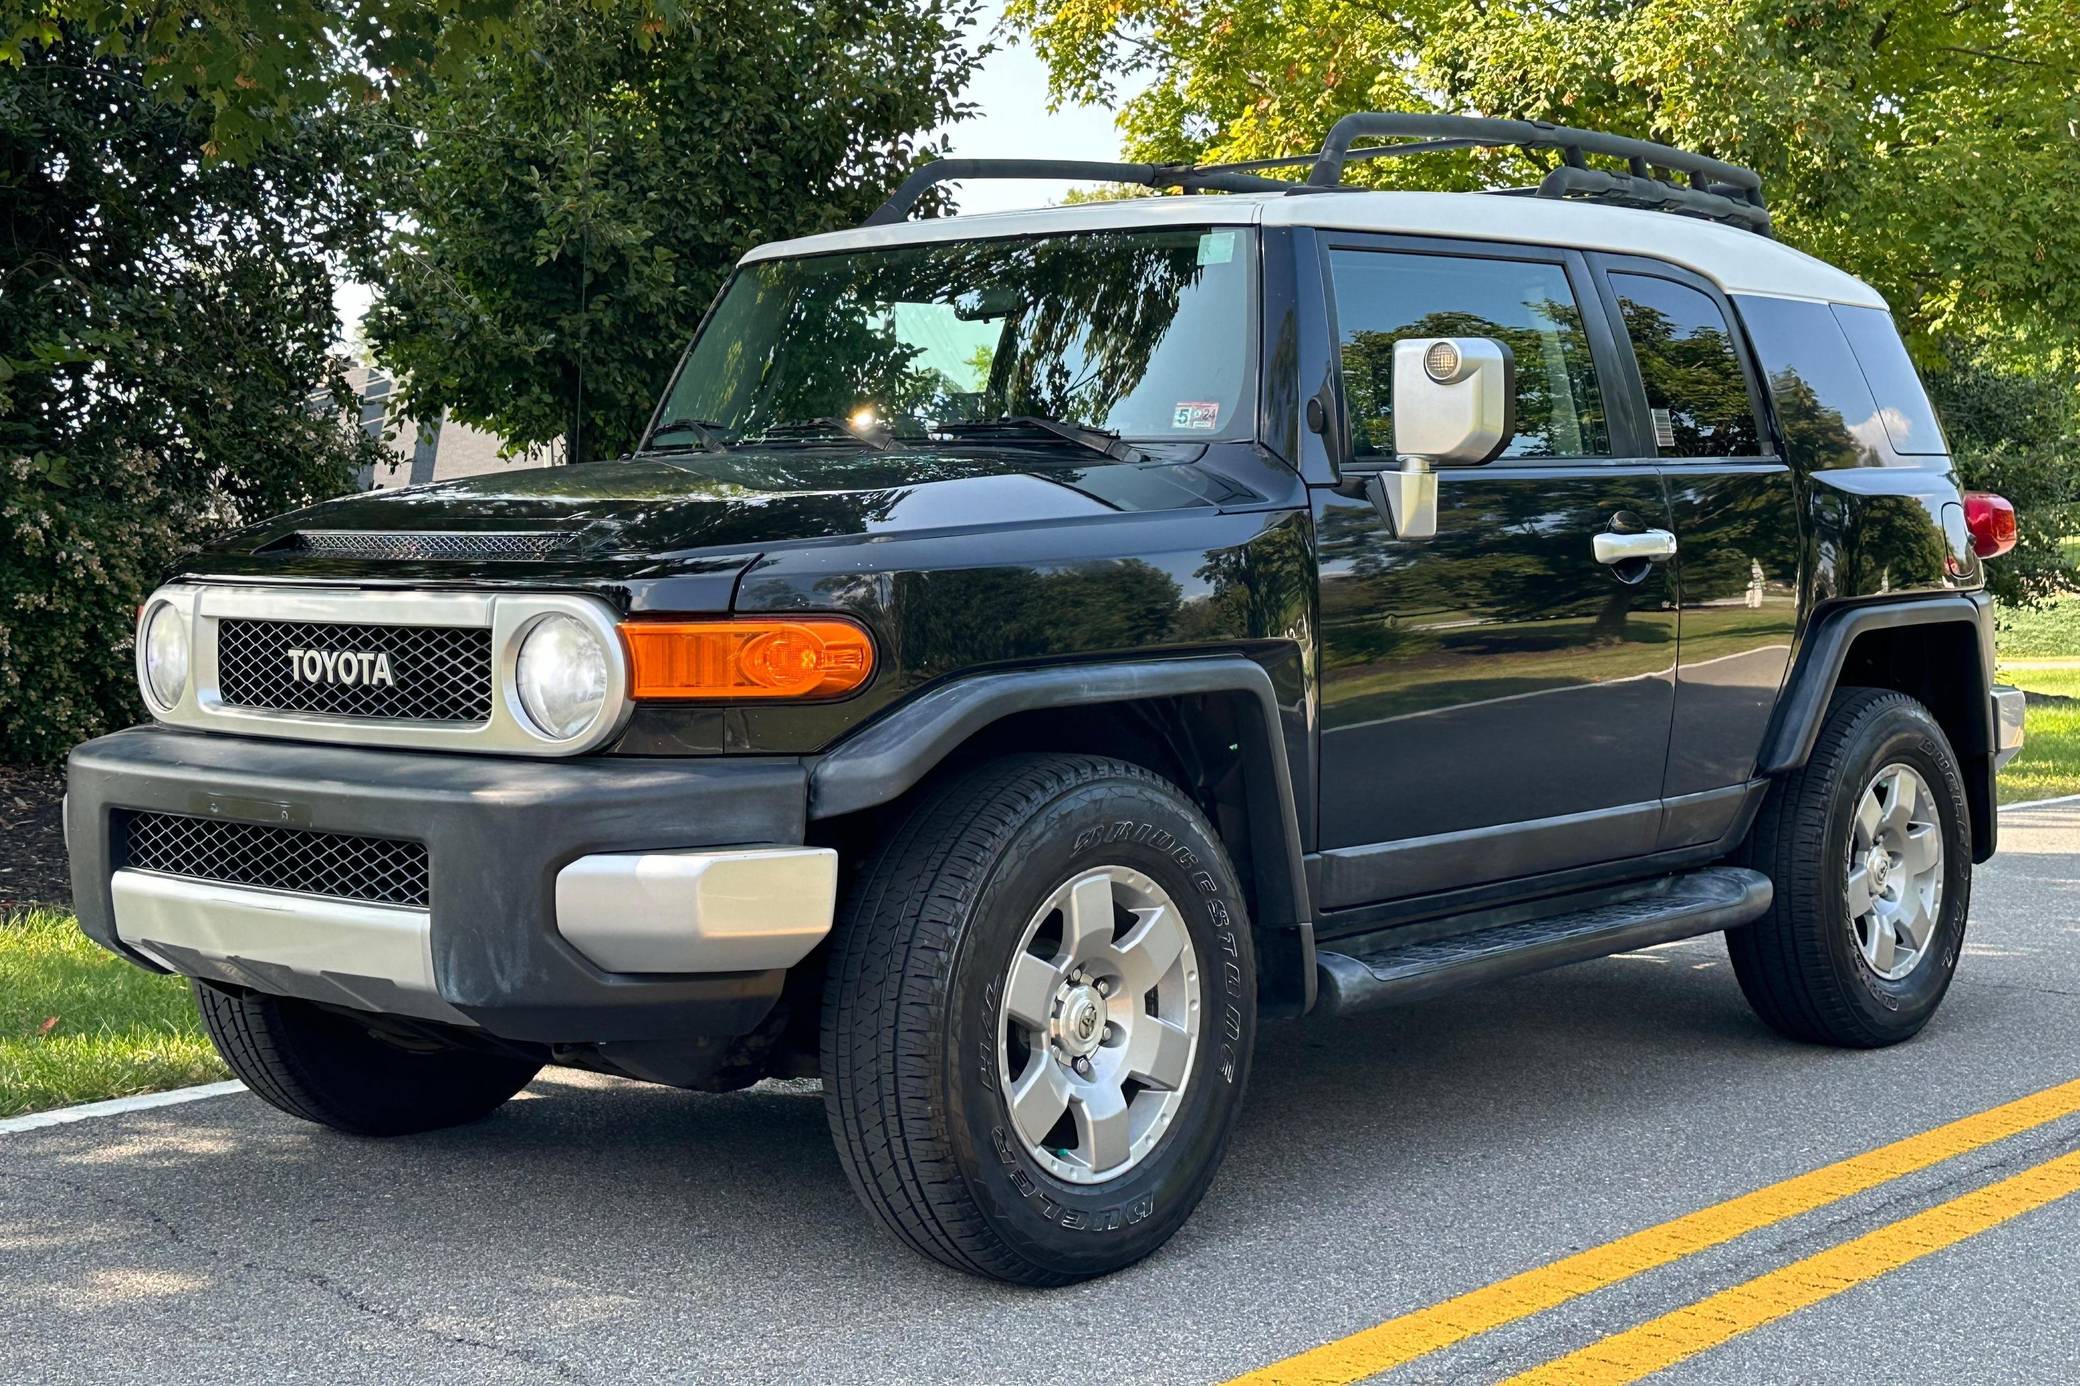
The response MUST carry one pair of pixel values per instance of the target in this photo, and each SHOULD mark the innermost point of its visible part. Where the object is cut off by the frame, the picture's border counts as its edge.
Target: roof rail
(1715, 190)
(904, 198)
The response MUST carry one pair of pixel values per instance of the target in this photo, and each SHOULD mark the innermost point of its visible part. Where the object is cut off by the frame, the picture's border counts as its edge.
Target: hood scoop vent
(404, 545)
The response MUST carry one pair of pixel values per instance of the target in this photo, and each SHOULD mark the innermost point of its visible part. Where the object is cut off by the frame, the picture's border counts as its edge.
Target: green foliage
(2019, 435)
(1923, 144)
(571, 199)
(255, 67)
(164, 323)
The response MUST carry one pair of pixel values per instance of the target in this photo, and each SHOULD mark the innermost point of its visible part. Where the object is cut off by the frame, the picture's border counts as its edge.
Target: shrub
(166, 364)
(2019, 435)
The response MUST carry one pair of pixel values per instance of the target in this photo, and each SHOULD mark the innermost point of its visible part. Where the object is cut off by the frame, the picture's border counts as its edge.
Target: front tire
(322, 1067)
(1869, 846)
(1037, 1018)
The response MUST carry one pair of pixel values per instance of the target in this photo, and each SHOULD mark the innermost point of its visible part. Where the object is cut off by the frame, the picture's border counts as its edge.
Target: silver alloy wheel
(1894, 886)
(1099, 1024)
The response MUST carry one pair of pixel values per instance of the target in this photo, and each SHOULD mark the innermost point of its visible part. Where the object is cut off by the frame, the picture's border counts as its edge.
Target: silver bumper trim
(727, 909)
(2007, 723)
(369, 957)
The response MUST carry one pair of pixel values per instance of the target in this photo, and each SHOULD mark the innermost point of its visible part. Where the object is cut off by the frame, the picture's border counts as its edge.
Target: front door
(1495, 701)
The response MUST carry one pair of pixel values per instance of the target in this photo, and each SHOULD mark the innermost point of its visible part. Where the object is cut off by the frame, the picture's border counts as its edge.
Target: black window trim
(1624, 404)
(1603, 265)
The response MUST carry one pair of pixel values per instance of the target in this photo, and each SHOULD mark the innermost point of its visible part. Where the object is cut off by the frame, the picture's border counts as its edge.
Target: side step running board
(1379, 972)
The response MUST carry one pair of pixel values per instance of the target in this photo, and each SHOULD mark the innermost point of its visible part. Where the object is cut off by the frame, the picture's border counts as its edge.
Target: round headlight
(165, 656)
(562, 676)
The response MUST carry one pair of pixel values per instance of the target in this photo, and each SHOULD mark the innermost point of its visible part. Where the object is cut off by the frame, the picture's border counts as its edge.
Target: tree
(1924, 145)
(570, 199)
(251, 68)
(165, 362)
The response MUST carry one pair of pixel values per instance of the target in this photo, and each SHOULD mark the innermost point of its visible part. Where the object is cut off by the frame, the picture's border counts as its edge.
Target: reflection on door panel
(1736, 521)
(1496, 674)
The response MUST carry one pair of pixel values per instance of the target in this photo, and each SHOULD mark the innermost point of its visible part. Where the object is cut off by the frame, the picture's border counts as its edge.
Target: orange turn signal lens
(813, 657)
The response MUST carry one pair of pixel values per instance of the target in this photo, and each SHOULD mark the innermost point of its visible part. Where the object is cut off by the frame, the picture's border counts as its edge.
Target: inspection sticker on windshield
(1191, 413)
(1216, 247)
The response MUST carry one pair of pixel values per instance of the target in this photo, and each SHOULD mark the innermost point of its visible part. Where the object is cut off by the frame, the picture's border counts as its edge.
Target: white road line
(2042, 803)
(117, 1106)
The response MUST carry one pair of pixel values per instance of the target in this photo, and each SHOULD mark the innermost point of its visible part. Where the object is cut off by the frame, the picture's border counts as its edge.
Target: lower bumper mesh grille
(376, 870)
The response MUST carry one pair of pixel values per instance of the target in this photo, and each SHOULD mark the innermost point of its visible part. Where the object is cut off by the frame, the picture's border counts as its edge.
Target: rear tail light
(807, 658)
(1991, 519)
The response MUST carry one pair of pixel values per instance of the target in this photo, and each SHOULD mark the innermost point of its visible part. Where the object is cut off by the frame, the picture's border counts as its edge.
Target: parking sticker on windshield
(1200, 414)
(1216, 247)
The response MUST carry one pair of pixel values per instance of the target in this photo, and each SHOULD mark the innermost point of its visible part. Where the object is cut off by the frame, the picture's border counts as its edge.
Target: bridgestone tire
(322, 1067)
(911, 1041)
(1800, 965)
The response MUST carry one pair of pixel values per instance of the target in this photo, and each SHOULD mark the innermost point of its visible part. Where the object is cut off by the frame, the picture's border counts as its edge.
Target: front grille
(518, 546)
(436, 673)
(373, 869)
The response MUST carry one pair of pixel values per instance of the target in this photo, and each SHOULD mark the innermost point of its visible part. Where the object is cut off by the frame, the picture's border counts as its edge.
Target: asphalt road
(597, 1231)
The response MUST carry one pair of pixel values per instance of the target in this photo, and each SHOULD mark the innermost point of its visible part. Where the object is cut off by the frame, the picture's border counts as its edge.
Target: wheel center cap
(1079, 1022)
(1880, 867)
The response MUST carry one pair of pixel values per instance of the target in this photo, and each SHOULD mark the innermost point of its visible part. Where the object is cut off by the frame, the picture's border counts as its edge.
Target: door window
(1697, 394)
(1383, 296)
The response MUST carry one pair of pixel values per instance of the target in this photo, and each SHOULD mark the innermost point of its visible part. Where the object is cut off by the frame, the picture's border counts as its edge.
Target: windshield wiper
(825, 426)
(1102, 440)
(707, 431)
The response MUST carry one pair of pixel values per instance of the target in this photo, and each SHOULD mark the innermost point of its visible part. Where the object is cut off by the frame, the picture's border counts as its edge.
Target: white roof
(1739, 261)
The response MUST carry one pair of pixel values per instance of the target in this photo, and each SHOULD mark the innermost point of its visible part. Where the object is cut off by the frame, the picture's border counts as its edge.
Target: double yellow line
(1662, 1342)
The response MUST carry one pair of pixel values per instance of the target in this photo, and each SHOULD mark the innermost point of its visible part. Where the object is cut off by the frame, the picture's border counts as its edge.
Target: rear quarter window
(1824, 402)
(1903, 405)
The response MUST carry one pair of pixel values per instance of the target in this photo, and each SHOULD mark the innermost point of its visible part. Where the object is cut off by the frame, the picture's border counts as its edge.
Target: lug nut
(1082, 1066)
(1104, 987)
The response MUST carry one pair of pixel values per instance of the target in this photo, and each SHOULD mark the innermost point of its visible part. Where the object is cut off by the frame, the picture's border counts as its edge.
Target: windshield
(1146, 334)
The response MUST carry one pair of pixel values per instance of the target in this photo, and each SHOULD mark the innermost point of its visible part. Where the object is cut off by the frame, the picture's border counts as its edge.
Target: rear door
(1735, 508)
(1495, 702)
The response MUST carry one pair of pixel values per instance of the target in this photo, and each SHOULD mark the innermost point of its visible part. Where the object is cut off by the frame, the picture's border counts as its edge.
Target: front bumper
(567, 902)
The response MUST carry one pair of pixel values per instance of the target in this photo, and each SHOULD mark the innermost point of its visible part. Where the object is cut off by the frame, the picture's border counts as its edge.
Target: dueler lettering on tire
(1038, 1017)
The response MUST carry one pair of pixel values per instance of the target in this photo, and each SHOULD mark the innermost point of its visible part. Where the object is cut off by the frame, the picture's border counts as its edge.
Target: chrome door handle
(1650, 544)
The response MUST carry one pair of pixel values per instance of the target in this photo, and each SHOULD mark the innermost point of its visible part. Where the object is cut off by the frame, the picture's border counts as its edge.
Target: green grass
(79, 1025)
(2049, 765)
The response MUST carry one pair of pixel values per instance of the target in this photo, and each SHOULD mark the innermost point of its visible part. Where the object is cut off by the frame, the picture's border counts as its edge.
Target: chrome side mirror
(1454, 406)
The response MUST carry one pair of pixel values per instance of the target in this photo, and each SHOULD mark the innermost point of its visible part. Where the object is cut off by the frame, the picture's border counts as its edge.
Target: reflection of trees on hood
(1559, 410)
(1082, 318)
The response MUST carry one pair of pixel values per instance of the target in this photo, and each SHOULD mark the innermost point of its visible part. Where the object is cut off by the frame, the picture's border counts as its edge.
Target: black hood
(666, 513)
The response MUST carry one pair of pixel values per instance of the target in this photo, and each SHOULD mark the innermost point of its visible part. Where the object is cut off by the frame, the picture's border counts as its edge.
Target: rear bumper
(2007, 724)
(566, 901)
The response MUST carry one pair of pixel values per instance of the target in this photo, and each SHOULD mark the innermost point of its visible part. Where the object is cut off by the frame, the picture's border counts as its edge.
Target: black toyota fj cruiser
(1025, 650)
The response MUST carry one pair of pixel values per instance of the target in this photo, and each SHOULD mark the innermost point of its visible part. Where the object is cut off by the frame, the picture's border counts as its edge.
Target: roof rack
(1714, 190)
(904, 198)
